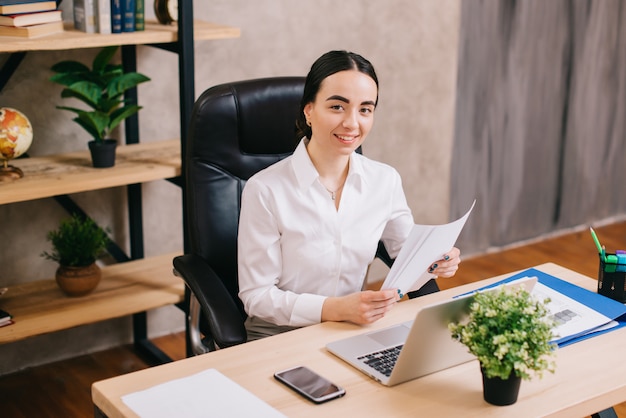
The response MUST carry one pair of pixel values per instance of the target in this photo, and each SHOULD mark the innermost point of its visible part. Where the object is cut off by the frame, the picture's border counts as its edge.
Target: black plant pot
(103, 153)
(500, 392)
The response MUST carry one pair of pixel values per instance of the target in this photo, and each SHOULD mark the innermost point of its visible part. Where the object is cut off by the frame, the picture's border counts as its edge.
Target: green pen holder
(612, 279)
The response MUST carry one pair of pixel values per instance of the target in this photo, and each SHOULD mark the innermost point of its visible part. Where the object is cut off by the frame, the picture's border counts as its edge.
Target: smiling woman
(341, 117)
(313, 221)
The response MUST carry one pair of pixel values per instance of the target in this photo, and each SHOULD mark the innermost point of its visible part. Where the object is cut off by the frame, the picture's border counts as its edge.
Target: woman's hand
(448, 265)
(361, 307)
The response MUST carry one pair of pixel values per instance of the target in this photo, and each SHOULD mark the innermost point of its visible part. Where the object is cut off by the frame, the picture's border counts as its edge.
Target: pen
(595, 239)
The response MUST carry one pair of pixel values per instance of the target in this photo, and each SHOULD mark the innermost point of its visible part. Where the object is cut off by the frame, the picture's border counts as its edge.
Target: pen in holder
(611, 277)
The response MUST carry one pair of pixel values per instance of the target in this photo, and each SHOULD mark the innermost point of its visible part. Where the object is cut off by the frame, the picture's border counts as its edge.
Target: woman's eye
(367, 110)
(336, 107)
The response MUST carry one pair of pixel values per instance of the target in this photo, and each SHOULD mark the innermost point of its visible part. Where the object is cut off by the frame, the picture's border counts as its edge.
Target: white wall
(412, 44)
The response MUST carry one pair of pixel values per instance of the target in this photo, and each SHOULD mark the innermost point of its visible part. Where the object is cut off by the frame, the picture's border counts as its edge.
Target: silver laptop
(414, 348)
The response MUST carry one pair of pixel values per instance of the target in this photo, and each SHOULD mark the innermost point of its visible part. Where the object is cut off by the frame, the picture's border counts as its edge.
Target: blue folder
(606, 306)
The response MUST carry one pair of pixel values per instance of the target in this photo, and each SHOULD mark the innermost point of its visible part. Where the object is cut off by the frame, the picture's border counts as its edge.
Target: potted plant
(76, 245)
(102, 89)
(509, 331)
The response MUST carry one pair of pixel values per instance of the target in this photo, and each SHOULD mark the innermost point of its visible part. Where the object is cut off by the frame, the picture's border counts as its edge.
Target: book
(103, 16)
(139, 15)
(32, 31)
(128, 15)
(116, 16)
(85, 16)
(26, 19)
(8, 7)
(5, 318)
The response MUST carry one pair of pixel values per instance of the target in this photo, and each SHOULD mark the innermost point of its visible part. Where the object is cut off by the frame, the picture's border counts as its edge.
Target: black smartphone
(309, 384)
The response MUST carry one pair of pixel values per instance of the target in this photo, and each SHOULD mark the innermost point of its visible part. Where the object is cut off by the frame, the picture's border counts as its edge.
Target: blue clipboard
(606, 306)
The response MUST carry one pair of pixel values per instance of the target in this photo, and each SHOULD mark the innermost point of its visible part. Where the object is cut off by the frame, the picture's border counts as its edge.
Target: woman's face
(343, 111)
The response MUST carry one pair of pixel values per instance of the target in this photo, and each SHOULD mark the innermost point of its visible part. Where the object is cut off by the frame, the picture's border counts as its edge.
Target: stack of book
(29, 18)
(108, 16)
(5, 318)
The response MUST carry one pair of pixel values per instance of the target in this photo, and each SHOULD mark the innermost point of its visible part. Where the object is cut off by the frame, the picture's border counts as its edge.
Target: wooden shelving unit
(132, 287)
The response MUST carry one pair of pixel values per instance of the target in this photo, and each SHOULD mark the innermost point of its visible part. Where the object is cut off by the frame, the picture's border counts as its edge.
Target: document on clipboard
(425, 245)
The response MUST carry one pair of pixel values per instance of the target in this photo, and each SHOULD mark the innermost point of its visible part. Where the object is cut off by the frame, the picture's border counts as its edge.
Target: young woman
(310, 224)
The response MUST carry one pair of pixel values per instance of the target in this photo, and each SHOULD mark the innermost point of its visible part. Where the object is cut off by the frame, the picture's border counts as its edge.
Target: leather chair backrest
(236, 130)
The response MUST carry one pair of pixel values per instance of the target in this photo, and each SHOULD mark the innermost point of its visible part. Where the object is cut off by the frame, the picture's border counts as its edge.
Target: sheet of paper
(573, 318)
(208, 393)
(425, 245)
(583, 313)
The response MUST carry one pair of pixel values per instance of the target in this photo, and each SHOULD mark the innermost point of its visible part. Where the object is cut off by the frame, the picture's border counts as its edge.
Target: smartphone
(309, 384)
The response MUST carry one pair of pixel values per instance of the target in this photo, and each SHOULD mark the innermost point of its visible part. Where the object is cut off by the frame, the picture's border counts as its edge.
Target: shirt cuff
(307, 310)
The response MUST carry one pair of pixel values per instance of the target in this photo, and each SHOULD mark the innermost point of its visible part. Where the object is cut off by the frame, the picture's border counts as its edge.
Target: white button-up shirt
(295, 248)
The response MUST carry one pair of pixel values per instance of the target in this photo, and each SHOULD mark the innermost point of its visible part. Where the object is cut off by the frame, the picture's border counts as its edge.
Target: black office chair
(236, 129)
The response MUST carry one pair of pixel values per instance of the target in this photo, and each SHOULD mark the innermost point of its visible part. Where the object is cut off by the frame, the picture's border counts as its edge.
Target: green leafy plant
(101, 88)
(509, 331)
(77, 242)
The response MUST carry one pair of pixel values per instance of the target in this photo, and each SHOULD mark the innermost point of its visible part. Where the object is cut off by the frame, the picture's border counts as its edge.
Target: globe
(16, 135)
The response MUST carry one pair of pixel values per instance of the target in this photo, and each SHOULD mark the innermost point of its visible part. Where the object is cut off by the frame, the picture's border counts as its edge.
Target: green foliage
(101, 88)
(78, 242)
(508, 330)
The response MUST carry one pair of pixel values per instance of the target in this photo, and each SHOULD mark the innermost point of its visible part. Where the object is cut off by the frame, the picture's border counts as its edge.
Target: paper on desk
(425, 245)
(208, 393)
(581, 313)
(572, 318)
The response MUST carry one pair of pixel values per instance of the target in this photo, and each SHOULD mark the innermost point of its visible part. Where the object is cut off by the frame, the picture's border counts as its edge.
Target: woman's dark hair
(328, 64)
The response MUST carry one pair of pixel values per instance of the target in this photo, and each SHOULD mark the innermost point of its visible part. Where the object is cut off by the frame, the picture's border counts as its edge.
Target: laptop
(413, 349)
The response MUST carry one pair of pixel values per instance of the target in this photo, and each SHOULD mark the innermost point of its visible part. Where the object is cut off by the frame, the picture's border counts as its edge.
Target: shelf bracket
(167, 47)
(72, 208)
(9, 67)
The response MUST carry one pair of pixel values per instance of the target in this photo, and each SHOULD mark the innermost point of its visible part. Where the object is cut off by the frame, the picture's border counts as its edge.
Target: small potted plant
(76, 245)
(102, 89)
(509, 331)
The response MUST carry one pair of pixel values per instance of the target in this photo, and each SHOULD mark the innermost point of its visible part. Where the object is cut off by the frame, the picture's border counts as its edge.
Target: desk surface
(587, 379)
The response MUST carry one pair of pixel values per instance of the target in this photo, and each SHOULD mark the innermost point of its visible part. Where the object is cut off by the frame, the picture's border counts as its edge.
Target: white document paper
(425, 245)
(205, 394)
(572, 317)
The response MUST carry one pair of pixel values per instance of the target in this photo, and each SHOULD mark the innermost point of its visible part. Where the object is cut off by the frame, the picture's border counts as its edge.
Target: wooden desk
(590, 375)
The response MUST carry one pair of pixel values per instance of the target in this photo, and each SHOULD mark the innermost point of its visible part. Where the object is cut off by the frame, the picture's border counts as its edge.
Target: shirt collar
(305, 171)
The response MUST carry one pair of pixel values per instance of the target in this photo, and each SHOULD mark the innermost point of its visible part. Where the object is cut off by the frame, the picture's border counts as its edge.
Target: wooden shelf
(127, 288)
(154, 33)
(73, 173)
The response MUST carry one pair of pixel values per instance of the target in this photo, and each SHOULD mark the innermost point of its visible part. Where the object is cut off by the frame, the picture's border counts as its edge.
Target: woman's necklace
(333, 193)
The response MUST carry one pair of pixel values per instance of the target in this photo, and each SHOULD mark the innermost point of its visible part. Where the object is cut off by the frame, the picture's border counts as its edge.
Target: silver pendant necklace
(333, 193)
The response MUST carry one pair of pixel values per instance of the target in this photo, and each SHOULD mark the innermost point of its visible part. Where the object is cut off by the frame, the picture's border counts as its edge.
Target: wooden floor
(62, 389)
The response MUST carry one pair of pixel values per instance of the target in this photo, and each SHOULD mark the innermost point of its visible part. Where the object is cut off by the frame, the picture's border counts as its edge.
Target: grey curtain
(540, 133)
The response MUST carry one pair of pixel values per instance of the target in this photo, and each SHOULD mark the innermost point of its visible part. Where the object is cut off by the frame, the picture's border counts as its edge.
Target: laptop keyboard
(384, 360)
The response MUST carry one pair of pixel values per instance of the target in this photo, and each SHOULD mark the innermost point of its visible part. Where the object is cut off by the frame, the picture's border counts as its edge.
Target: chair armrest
(382, 253)
(224, 319)
(429, 287)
